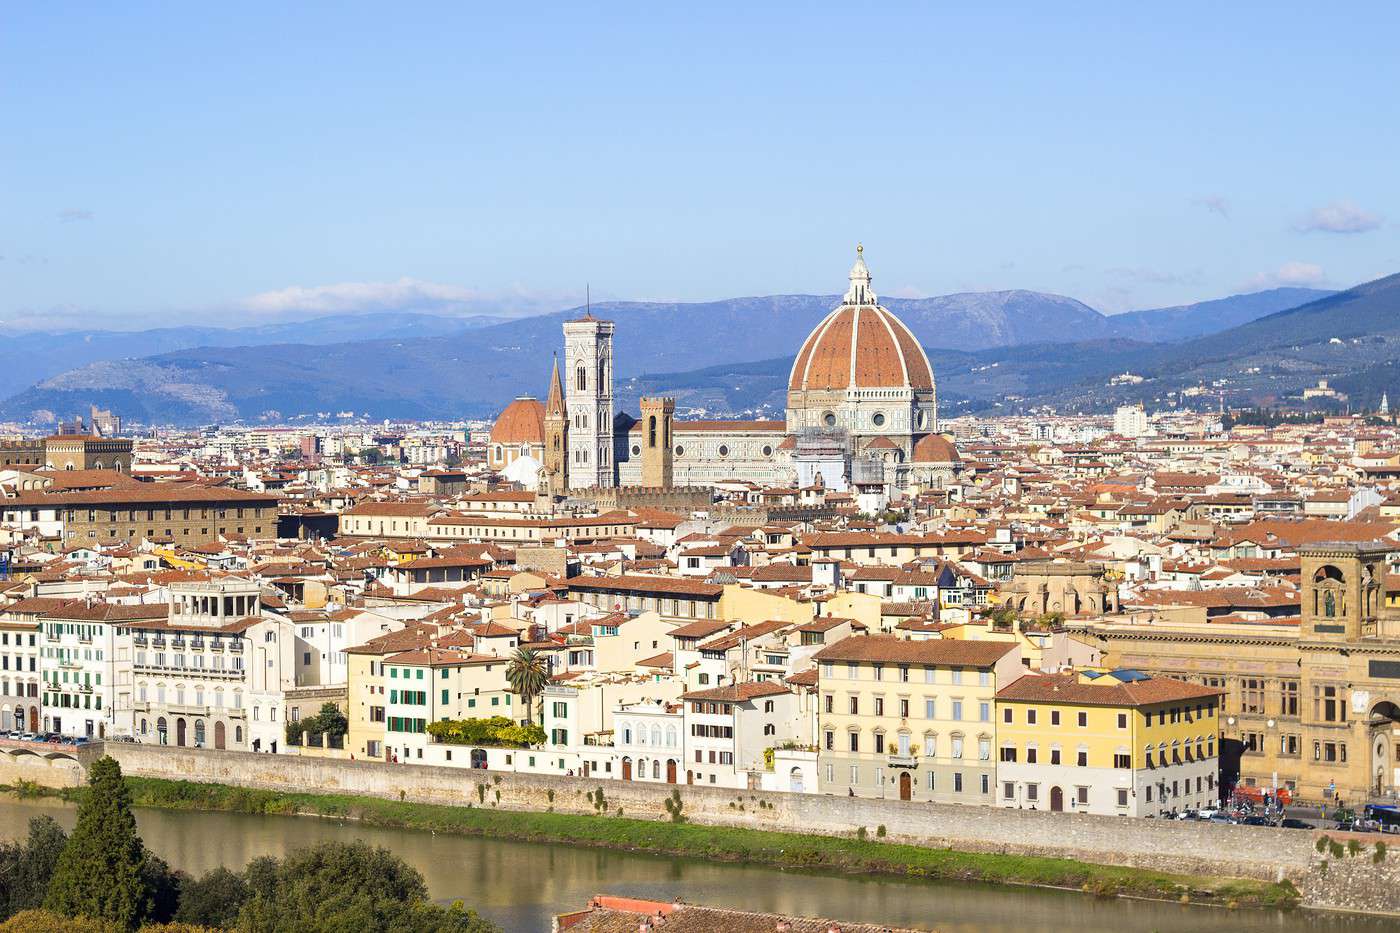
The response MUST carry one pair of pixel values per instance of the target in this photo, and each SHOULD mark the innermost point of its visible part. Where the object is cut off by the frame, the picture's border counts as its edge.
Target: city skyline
(282, 164)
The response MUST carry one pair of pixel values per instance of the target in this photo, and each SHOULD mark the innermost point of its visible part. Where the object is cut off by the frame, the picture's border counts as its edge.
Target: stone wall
(1181, 847)
(1362, 881)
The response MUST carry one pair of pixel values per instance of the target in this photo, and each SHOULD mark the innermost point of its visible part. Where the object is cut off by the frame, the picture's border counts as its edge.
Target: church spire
(860, 292)
(554, 404)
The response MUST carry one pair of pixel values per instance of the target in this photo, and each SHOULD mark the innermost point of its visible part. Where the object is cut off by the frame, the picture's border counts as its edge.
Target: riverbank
(860, 854)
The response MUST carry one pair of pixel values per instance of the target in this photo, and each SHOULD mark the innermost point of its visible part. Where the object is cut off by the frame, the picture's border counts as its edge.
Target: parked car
(1222, 818)
(1256, 821)
(29, 737)
(1293, 823)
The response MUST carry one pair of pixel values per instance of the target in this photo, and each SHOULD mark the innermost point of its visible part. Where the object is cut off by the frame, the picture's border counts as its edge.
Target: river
(522, 885)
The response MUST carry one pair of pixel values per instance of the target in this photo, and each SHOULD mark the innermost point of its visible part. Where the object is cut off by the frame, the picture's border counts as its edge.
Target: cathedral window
(582, 380)
(879, 419)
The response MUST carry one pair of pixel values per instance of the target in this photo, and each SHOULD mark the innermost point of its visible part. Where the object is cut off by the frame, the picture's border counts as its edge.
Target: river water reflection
(522, 885)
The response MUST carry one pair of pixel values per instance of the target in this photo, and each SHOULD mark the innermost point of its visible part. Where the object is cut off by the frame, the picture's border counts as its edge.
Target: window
(930, 709)
(1006, 715)
(1054, 754)
(1122, 797)
(1082, 795)
(1054, 717)
(1008, 753)
(1030, 717)
(903, 708)
(1082, 758)
(1252, 695)
(879, 706)
(957, 782)
(855, 706)
(957, 709)
(1032, 792)
(1008, 790)
(879, 743)
(855, 741)
(1122, 760)
(1288, 697)
(1328, 704)
(1122, 720)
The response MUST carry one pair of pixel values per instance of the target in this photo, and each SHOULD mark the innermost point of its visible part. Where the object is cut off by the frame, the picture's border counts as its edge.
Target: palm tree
(528, 673)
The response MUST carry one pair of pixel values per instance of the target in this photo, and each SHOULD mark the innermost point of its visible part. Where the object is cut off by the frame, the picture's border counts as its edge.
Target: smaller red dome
(935, 448)
(521, 423)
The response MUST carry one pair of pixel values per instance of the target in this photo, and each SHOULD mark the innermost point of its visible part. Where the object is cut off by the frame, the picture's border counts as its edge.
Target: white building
(728, 729)
(1131, 421)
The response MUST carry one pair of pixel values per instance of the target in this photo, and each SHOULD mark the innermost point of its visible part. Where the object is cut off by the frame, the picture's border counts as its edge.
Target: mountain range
(986, 347)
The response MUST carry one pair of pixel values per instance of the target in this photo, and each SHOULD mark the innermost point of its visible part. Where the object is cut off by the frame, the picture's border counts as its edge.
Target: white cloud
(1290, 273)
(1216, 204)
(406, 294)
(1339, 217)
(71, 215)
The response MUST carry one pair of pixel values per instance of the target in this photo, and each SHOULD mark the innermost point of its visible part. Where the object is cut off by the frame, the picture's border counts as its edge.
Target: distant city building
(1131, 421)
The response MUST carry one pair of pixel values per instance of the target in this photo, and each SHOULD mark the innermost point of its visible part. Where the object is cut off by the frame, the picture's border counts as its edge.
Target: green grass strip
(861, 854)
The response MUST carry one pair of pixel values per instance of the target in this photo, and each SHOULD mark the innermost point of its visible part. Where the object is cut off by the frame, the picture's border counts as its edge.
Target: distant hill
(444, 367)
(1208, 317)
(27, 358)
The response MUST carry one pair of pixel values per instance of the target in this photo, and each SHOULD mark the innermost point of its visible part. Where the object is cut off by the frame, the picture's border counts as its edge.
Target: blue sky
(236, 162)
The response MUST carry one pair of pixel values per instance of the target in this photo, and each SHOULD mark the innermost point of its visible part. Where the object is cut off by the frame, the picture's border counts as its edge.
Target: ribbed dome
(521, 423)
(935, 448)
(861, 345)
(864, 347)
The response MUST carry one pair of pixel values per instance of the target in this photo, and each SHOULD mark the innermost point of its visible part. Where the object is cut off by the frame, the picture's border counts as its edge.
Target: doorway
(627, 769)
(1057, 799)
(219, 735)
(671, 771)
(906, 786)
(180, 732)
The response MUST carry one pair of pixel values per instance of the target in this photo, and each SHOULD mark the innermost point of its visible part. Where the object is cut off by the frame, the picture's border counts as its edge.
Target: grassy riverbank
(781, 849)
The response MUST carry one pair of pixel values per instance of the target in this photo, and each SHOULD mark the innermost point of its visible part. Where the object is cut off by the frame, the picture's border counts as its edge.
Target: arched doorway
(180, 732)
(670, 771)
(1057, 799)
(1384, 723)
(906, 786)
(33, 719)
(199, 733)
(218, 735)
(162, 731)
(627, 769)
(478, 758)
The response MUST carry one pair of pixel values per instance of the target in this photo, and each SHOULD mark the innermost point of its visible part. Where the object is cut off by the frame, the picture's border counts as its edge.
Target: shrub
(496, 731)
(1379, 855)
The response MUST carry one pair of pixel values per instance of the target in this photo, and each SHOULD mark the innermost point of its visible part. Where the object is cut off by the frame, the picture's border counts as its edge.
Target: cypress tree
(100, 873)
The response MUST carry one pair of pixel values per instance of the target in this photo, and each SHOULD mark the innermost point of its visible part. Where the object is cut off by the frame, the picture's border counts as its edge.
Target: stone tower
(657, 451)
(588, 363)
(1343, 589)
(554, 478)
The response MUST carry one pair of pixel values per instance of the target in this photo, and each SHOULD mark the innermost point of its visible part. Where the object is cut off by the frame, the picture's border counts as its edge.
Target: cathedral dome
(521, 423)
(860, 345)
(935, 448)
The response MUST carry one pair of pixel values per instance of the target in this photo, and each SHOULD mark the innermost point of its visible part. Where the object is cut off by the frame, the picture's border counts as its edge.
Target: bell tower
(1343, 589)
(657, 457)
(588, 401)
(554, 478)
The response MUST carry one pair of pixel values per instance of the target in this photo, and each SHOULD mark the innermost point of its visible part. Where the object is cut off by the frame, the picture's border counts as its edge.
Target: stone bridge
(50, 764)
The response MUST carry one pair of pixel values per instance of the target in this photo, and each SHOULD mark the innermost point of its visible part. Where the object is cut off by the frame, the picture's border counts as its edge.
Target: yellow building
(1108, 742)
(366, 695)
(911, 720)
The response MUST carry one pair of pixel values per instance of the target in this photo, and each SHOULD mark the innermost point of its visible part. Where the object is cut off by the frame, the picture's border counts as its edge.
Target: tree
(528, 673)
(25, 868)
(214, 899)
(100, 873)
(347, 886)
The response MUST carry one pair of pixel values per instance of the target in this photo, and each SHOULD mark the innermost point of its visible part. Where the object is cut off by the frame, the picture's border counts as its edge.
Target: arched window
(581, 378)
(656, 769)
(626, 733)
(199, 733)
(768, 706)
(602, 374)
(238, 735)
(651, 430)
(770, 729)
(670, 736)
(655, 735)
(957, 745)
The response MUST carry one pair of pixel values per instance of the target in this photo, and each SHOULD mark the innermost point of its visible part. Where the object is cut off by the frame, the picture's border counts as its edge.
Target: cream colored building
(911, 720)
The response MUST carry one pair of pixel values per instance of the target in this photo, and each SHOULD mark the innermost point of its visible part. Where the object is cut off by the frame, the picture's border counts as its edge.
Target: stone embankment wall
(1181, 847)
